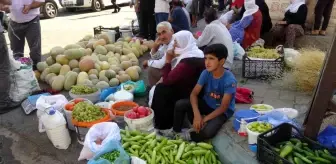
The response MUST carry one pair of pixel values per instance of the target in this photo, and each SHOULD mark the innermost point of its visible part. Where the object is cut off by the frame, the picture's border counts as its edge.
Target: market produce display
(138, 112)
(298, 152)
(83, 89)
(263, 53)
(162, 150)
(261, 107)
(92, 61)
(85, 112)
(259, 127)
(111, 156)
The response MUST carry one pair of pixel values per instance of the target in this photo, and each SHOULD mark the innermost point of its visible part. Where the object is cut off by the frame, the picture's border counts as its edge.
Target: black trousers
(115, 5)
(147, 24)
(323, 9)
(183, 107)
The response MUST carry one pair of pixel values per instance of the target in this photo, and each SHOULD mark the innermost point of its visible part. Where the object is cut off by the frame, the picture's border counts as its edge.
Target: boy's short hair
(218, 50)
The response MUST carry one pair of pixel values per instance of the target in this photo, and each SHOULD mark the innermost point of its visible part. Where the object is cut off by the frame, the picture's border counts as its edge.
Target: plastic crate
(100, 29)
(283, 132)
(259, 68)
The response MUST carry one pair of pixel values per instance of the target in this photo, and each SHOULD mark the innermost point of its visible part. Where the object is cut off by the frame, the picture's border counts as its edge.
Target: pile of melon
(92, 61)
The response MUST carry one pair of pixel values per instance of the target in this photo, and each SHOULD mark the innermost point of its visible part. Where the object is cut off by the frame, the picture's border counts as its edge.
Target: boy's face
(212, 62)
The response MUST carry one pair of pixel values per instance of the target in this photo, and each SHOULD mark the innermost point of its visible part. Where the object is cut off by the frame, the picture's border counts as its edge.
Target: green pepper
(298, 144)
(326, 151)
(316, 153)
(290, 158)
(180, 151)
(294, 140)
(302, 158)
(204, 145)
(286, 150)
(328, 157)
(189, 147)
(298, 160)
(187, 154)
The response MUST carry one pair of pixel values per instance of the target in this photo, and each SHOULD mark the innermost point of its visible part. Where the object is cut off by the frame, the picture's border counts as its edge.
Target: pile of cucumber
(155, 150)
(297, 152)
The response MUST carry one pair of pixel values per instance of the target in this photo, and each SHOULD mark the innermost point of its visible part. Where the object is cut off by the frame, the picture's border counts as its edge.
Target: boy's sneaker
(184, 135)
(169, 133)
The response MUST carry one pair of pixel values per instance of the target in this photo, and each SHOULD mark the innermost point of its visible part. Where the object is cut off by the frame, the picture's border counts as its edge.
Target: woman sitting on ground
(216, 33)
(184, 64)
(178, 17)
(292, 26)
(247, 30)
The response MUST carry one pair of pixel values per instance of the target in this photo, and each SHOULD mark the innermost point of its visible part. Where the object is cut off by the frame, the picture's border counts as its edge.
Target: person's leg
(277, 32)
(220, 5)
(33, 36)
(143, 24)
(6, 104)
(182, 107)
(318, 16)
(152, 25)
(16, 35)
(292, 32)
(326, 15)
(154, 75)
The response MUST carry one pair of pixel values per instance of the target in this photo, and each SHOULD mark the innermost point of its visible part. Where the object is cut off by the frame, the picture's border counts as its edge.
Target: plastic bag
(276, 118)
(290, 55)
(238, 51)
(23, 83)
(136, 160)
(15, 65)
(151, 95)
(43, 103)
(328, 137)
(106, 92)
(109, 147)
(104, 132)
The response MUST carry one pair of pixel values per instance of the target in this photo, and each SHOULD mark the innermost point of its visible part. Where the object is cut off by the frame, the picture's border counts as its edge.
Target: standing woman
(292, 26)
(161, 10)
(115, 6)
(322, 8)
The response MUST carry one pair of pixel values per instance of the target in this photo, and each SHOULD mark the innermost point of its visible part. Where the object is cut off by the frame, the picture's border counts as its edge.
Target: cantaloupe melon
(93, 76)
(100, 50)
(144, 48)
(118, 50)
(105, 37)
(87, 37)
(125, 64)
(62, 59)
(110, 47)
(110, 54)
(110, 74)
(131, 56)
(102, 85)
(91, 42)
(77, 70)
(101, 42)
(50, 81)
(48, 78)
(94, 81)
(58, 83)
(87, 82)
(74, 54)
(86, 64)
(73, 63)
(137, 68)
(37, 74)
(97, 67)
(126, 45)
(121, 72)
(50, 61)
(135, 62)
(44, 74)
(103, 58)
(124, 58)
(114, 82)
(72, 46)
(81, 44)
(103, 78)
(135, 51)
(123, 78)
(117, 55)
(126, 51)
(88, 51)
(41, 66)
(104, 65)
(94, 72)
(102, 73)
(65, 69)
(133, 73)
(115, 68)
(70, 80)
(81, 77)
(55, 68)
(56, 51)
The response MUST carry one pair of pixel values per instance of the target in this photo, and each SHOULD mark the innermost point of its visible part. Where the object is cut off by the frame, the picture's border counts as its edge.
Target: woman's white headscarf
(187, 47)
(294, 6)
(226, 18)
(250, 7)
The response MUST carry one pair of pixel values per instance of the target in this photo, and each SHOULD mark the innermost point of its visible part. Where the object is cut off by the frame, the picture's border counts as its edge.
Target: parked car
(50, 8)
(95, 5)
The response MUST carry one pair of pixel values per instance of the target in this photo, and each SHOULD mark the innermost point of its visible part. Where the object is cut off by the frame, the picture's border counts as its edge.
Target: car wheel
(50, 10)
(97, 5)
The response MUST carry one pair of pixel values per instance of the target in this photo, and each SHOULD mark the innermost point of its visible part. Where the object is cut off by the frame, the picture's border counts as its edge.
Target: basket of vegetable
(85, 115)
(140, 118)
(68, 108)
(157, 150)
(88, 92)
(286, 145)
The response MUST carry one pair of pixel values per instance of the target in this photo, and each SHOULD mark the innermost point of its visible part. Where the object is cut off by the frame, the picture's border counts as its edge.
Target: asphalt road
(69, 27)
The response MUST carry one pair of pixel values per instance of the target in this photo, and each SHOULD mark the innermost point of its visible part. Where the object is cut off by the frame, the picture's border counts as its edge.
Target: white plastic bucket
(252, 136)
(111, 34)
(141, 124)
(126, 33)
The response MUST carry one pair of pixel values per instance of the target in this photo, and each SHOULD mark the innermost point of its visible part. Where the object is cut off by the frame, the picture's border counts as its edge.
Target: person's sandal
(323, 33)
(315, 32)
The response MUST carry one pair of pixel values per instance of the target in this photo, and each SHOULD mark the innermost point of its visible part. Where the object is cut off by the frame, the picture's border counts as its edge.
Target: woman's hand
(196, 36)
(170, 55)
(228, 26)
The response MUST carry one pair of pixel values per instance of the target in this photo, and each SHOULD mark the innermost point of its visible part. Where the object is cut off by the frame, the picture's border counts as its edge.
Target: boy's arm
(198, 121)
(221, 109)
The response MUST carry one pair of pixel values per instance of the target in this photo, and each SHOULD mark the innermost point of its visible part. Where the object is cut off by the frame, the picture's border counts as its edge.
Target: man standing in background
(147, 19)
(115, 6)
(25, 24)
(6, 104)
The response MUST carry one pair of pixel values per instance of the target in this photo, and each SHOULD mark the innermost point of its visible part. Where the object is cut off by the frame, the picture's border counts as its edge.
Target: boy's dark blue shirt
(214, 89)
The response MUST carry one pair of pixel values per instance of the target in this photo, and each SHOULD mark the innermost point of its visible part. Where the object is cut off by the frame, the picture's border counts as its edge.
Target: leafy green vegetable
(82, 89)
(85, 112)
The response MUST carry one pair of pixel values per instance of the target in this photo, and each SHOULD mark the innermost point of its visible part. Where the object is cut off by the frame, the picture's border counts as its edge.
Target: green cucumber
(303, 158)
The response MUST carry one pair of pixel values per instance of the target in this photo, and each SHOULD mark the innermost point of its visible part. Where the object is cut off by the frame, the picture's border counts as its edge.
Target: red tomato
(69, 106)
(77, 100)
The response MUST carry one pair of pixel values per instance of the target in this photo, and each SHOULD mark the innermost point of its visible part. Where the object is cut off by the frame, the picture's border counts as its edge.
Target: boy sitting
(216, 106)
